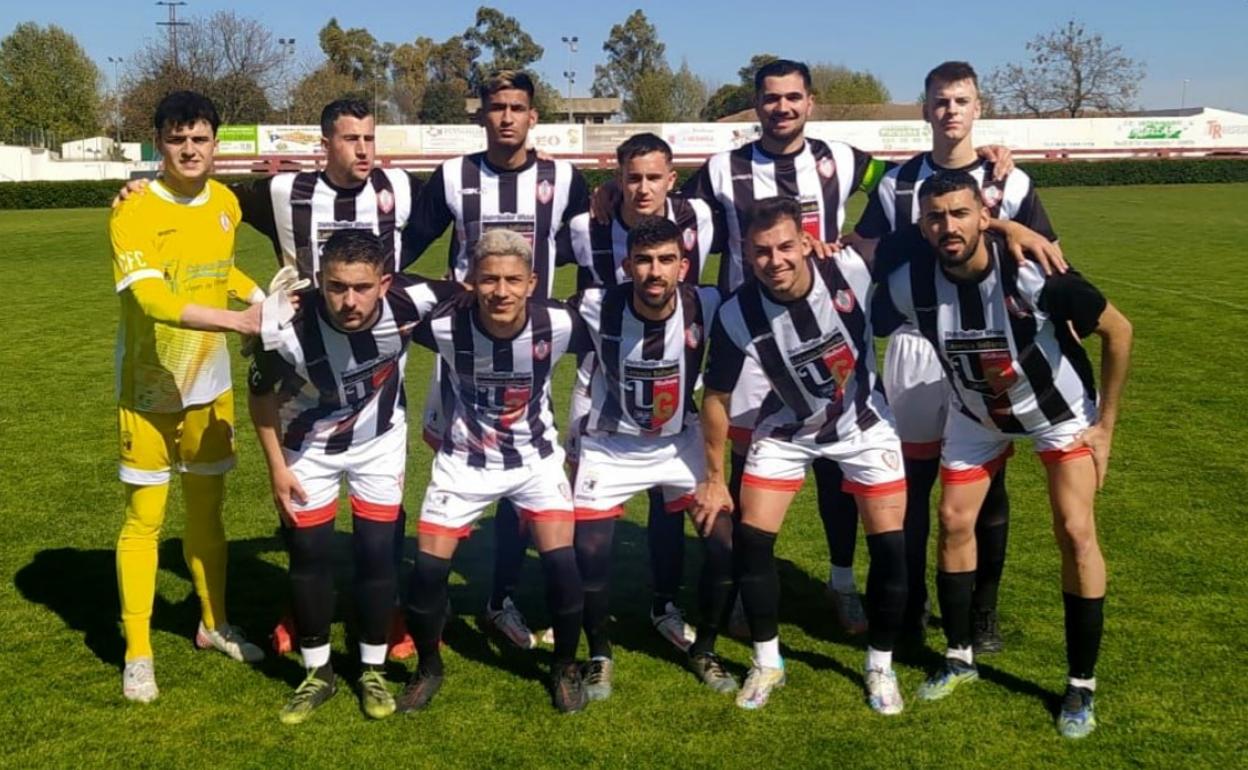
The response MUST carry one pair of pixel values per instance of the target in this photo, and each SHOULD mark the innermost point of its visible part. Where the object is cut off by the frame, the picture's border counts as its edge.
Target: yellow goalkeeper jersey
(188, 244)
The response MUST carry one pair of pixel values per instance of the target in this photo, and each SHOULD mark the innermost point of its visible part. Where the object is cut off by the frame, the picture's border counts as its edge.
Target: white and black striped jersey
(609, 242)
(817, 353)
(496, 392)
(1013, 198)
(343, 388)
(537, 200)
(1004, 340)
(300, 211)
(821, 176)
(646, 371)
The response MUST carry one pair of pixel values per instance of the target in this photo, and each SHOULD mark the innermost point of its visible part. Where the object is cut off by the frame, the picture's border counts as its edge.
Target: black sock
(760, 584)
(509, 547)
(312, 582)
(991, 531)
(400, 529)
(921, 474)
(593, 559)
(837, 510)
(565, 598)
(953, 591)
(371, 543)
(665, 533)
(715, 585)
(736, 473)
(426, 608)
(886, 588)
(1085, 622)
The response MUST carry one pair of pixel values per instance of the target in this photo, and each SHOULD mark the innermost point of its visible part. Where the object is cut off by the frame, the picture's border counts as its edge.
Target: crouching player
(499, 347)
(327, 403)
(642, 431)
(1008, 340)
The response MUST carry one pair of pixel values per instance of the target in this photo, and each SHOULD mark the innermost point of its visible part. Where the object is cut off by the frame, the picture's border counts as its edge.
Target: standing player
(507, 187)
(499, 345)
(641, 432)
(802, 322)
(336, 375)
(1006, 336)
(173, 268)
(913, 379)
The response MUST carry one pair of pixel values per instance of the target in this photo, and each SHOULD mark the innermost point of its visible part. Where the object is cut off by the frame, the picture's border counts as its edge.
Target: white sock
(768, 653)
(842, 580)
(879, 660)
(1087, 684)
(315, 657)
(964, 654)
(373, 654)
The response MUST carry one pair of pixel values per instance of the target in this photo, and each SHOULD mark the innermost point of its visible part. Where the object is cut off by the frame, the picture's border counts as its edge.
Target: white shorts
(972, 451)
(616, 467)
(918, 392)
(458, 494)
(870, 462)
(373, 470)
(752, 387)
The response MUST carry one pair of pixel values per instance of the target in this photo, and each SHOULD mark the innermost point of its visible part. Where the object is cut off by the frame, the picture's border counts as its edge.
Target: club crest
(693, 336)
(826, 167)
(545, 191)
(991, 195)
(541, 350)
(843, 300)
(385, 201)
(690, 238)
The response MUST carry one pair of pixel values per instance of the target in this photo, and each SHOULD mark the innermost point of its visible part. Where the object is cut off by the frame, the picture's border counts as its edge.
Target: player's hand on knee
(1099, 439)
(603, 202)
(709, 500)
(287, 492)
(133, 187)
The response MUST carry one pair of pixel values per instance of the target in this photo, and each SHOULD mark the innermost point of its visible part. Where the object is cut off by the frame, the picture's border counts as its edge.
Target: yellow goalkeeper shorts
(198, 439)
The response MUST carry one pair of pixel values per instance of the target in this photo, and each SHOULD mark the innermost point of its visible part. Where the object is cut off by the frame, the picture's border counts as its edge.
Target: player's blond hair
(501, 80)
(503, 243)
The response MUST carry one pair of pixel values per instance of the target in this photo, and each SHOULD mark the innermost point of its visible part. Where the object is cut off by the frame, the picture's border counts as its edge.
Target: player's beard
(657, 303)
(962, 257)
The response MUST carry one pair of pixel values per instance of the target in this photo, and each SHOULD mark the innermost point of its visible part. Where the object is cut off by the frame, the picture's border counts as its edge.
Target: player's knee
(757, 546)
(1076, 536)
(428, 581)
(310, 547)
(957, 522)
(373, 548)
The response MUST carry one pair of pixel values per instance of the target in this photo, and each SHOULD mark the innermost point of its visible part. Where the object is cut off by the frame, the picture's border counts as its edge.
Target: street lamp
(116, 62)
(569, 73)
(288, 53)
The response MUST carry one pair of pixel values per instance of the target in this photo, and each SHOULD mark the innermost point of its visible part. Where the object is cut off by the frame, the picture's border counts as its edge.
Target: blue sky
(1200, 41)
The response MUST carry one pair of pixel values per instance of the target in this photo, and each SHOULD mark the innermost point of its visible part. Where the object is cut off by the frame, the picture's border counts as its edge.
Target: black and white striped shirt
(817, 353)
(821, 176)
(609, 242)
(538, 200)
(300, 211)
(343, 388)
(496, 392)
(1004, 340)
(646, 371)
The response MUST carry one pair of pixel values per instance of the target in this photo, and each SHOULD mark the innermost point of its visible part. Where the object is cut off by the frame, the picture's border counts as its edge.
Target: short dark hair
(945, 182)
(502, 80)
(766, 213)
(355, 245)
(652, 231)
(642, 144)
(356, 108)
(778, 69)
(950, 72)
(185, 108)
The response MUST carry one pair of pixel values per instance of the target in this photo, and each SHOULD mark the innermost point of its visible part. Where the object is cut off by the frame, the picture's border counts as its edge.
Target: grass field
(1172, 523)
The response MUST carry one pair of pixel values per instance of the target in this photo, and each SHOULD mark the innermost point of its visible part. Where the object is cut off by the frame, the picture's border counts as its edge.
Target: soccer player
(913, 379)
(1008, 338)
(326, 399)
(173, 268)
(545, 201)
(642, 432)
(499, 344)
(803, 324)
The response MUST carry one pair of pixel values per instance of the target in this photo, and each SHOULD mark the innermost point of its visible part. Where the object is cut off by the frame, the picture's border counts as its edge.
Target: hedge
(99, 193)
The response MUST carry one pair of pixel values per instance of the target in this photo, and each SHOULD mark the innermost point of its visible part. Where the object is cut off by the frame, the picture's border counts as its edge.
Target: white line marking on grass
(1186, 294)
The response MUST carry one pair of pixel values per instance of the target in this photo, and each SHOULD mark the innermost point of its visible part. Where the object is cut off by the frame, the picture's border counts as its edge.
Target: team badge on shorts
(826, 167)
(225, 222)
(690, 238)
(843, 300)
(693, 336)
(891, 459)
(541, 349)
(545, 191)
(385, 201)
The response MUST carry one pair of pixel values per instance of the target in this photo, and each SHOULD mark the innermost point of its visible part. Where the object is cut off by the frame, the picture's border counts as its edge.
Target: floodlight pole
(288, 53)
(569, 73)
(116, 62)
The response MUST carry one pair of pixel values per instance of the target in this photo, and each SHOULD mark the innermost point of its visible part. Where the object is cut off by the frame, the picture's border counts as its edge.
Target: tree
(728, 100)
(1070, 70)
(353, 52)
(48, 86)
(650, 98)
(444, 103)
(633, 49)
(318, 88)
(837, 86)
(510, 47)
(688, 94)
(757, 62)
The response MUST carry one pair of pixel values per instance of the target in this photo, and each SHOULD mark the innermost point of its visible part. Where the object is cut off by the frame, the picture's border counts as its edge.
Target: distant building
(844, 112)
(584, 109)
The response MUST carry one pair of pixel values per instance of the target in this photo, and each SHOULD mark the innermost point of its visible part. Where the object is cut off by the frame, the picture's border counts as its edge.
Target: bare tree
(1070, 70)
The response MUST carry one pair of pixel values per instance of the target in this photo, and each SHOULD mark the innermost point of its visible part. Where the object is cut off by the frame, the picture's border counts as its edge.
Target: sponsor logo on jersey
(826, 167)
(812, 222)
(982, 361)
(545, 191)
(385, 201)
(824, 367)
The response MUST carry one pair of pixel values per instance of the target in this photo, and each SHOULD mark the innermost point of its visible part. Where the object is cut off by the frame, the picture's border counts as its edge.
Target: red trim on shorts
(1055, 456)
(774, 485)
(679, 505)
(598, 514)
(315, 517)
(431, 438)
(550, 514)
(740, 437)
(429, 528)
(874, 490)
(921, 450)
(949, 476)
(382, 512)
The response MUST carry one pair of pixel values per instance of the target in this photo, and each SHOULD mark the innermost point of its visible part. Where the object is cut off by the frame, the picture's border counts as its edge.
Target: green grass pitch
(1172, 523)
